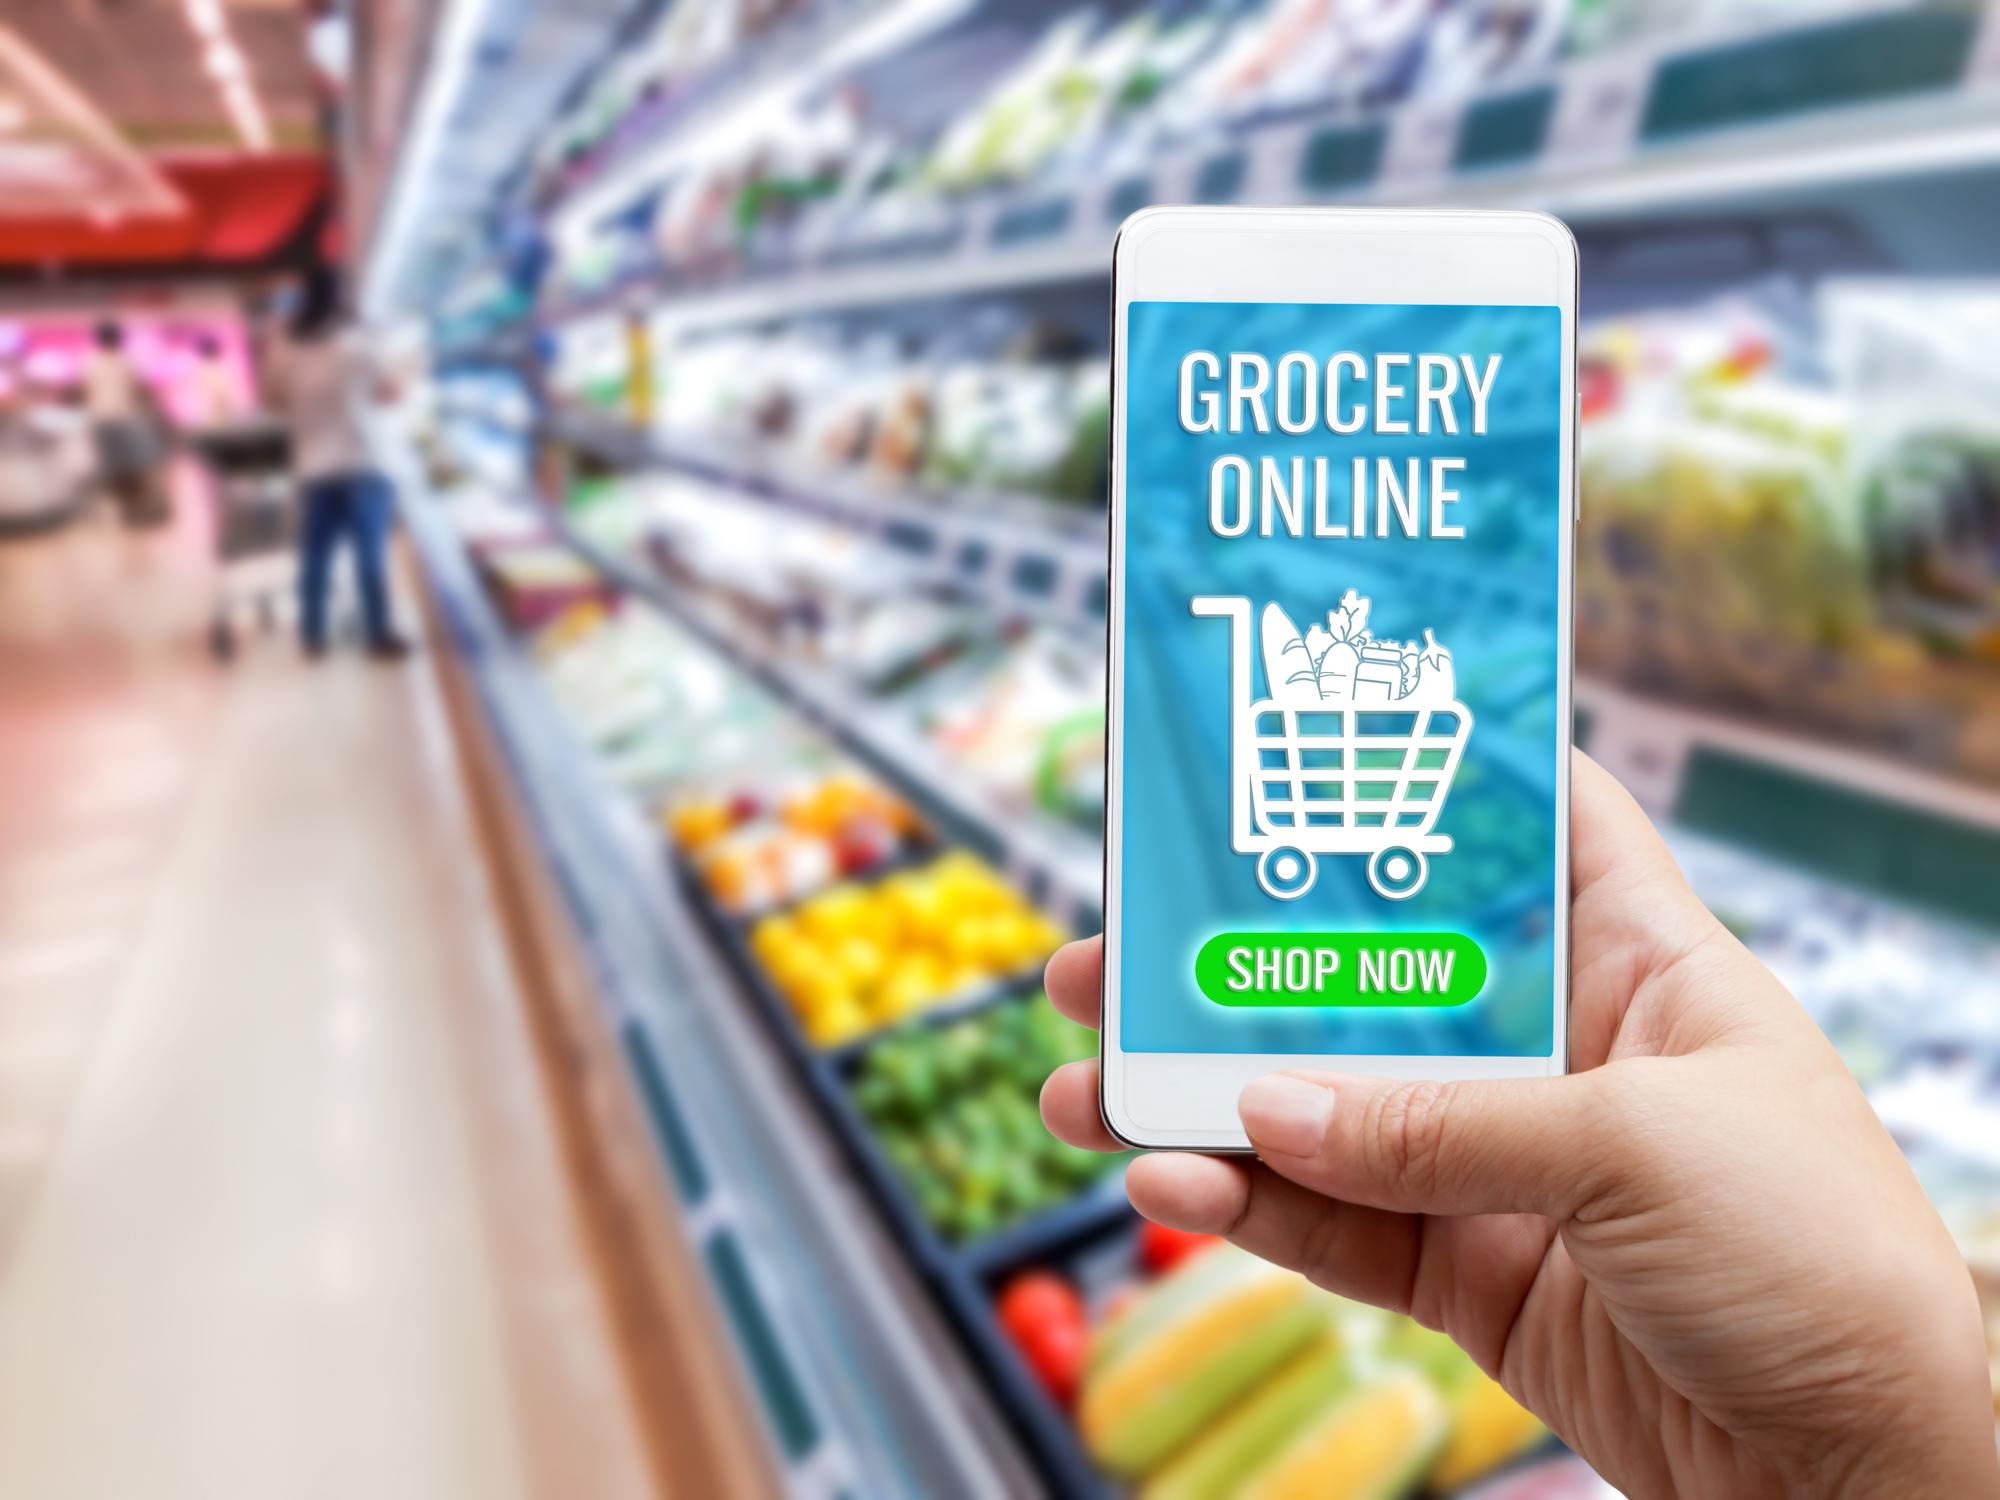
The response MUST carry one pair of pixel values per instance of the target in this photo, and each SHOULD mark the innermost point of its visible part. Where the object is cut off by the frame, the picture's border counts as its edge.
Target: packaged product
(1073, 86)
(1920, 366)
(1024, 721)
(1788, 510)
(534, 581)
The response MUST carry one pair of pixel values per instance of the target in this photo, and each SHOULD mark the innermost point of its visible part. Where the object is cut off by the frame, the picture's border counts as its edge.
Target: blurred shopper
(317, 374)
(128, 450)
(215, 390)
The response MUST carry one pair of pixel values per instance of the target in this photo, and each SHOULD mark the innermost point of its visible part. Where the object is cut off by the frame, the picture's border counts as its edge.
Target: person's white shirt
(110, 390)
(315, 382)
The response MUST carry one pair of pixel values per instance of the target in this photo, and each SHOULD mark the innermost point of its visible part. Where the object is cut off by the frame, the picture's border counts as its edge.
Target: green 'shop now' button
(1340, 968)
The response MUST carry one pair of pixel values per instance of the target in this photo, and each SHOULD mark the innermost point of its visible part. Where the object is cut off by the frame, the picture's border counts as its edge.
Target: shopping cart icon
(1347, 757)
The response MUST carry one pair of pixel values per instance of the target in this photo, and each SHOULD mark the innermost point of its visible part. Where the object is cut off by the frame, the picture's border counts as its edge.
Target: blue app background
(1490, 598)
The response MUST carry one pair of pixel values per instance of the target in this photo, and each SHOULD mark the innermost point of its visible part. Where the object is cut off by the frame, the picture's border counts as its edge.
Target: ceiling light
(223, 61)
(330, 42)
(60, 156)
(226, 65)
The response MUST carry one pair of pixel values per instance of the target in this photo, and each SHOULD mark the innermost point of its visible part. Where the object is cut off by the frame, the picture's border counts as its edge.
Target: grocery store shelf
(1060, 868)
(1645, 743)
(912, 278)
(1016, 553)
(1796, 158)
(862, 1386)
(1863, 820)
(1893, 90)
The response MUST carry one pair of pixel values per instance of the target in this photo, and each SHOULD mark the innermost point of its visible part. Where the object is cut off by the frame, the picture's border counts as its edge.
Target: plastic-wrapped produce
(1298, 52)
(810, 403)
(1075, 86)
(1003, 426)
(1477, 42)
(1822, 551)
(1712, 563)
(1920, 365)
(1012, 722)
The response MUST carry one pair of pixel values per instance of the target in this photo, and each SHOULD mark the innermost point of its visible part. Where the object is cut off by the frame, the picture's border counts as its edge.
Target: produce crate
(959, 1276)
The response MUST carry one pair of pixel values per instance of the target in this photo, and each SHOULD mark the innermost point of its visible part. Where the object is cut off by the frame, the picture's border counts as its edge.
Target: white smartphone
(1343, 498)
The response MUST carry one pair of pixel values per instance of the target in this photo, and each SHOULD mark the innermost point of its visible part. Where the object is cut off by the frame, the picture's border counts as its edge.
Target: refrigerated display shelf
(956, 1276)
(1882, 90)
(1858, 818)
(865, 1384)
(1015, 552)
(1647, 743)
(1060, 868)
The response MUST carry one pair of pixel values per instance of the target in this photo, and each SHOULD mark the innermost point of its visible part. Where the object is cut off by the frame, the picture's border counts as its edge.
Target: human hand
(1699, 1258)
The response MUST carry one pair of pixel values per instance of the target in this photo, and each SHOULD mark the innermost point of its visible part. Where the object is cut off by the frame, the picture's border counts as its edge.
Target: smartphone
(1343, 499)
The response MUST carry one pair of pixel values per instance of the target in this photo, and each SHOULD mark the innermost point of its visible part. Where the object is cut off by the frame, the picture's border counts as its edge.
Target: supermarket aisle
(280, 1209)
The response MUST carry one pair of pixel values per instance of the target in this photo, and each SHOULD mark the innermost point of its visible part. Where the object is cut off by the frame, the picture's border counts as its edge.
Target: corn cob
(1205, 1335)
(1261, 1424)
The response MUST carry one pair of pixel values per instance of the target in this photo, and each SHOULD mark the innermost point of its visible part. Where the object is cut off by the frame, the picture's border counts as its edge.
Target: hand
(1699, 1258)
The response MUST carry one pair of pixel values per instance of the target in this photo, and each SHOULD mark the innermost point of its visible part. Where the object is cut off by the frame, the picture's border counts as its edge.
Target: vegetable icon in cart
(1353, 752)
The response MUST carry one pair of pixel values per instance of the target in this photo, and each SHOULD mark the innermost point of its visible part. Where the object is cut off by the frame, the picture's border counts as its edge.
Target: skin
(1699, 1258)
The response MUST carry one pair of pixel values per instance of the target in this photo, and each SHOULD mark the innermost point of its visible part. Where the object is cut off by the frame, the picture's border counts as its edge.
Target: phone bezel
(1465, 257)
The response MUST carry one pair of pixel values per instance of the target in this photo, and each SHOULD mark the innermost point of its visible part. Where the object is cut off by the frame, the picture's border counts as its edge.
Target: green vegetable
(957, 1111)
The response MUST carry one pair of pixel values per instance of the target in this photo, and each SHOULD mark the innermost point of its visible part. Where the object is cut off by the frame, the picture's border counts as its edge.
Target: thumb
(1529, 1145)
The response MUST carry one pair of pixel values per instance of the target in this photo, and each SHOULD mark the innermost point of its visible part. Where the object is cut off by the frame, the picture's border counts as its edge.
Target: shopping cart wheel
(1285, 872)
(1397, 873)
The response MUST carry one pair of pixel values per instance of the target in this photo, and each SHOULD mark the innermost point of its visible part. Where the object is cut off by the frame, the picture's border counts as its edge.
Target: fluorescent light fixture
(226, 65)
(330, 42)
(61, 156)
(409, 185)
(223, 61)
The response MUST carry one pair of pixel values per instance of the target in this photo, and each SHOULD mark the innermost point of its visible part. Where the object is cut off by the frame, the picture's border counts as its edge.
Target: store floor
(281, 1206)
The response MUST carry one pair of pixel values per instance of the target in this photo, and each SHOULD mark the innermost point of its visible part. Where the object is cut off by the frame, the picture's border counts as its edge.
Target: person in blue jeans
(359, 505)
(318, 373)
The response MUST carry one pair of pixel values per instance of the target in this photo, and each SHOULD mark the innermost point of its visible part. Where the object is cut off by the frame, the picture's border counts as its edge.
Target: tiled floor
(281, 1213)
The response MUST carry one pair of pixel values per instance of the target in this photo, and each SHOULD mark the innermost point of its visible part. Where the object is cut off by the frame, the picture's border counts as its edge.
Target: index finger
(1075, 979)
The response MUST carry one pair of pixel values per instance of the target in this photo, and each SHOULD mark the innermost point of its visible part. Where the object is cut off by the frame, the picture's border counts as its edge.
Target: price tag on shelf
(1598, 109)
(1273, 176)
(1423, 138)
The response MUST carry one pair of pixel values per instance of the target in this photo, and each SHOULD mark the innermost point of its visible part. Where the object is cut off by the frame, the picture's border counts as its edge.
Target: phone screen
(1341, 669)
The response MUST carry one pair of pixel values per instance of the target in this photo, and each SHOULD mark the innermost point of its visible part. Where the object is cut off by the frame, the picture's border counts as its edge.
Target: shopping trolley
(256, 525)
(1356, 779)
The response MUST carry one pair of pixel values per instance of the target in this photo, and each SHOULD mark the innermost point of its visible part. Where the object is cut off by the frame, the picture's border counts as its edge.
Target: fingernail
(1286, 1115)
